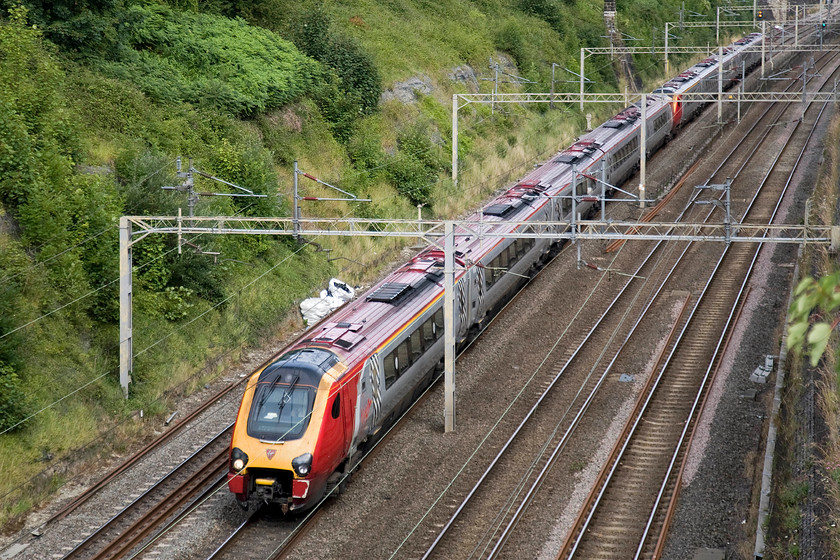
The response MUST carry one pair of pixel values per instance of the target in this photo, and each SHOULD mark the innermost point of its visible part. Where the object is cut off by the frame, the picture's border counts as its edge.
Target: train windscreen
(281, 407)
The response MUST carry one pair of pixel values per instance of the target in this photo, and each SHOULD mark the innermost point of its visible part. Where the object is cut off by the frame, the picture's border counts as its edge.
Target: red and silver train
(307, 419)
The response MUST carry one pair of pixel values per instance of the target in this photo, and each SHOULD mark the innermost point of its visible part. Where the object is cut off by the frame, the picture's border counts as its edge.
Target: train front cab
(291, 431)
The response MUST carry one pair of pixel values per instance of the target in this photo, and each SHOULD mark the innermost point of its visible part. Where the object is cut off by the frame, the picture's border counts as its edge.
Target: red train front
(293, 429)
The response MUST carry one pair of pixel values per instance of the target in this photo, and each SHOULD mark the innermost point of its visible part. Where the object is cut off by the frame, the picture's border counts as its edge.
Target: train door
(347, 420)
(477, 293)
(368, 403)
(462, 306)
(677, 110)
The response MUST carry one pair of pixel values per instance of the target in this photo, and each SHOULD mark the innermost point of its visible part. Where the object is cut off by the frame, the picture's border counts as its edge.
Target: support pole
(126, 364)
(667, 69)
(604, 192)
(796, 27)
(720, 86)
(763, 43)
(574, 213)
(180, 230)
(717, 26)
(804, 84)
(741, 89)
(449, 327)
(455, 140)
(643, 152)
(835, 239)
(296, 209)
(582, 58)
(727, 224)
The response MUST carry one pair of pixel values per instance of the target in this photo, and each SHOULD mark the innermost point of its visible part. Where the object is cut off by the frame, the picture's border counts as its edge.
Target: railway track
(155, 524)
(265, 534)
(183, 486)
(628, 511)
(462, 526)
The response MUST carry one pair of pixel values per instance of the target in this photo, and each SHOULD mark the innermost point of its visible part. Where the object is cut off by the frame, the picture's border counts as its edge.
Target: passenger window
(428, 329)
(336, 406)
(493, 274)
(504, 259)
(403, 360)
(438, 318)
(390, 369)
(416, 344)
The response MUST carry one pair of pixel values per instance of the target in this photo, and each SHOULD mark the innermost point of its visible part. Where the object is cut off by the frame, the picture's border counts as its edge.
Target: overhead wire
(182, 326)
(159, 341)
(47, 260)
(507, 410)
(140, 267)
(44, 243)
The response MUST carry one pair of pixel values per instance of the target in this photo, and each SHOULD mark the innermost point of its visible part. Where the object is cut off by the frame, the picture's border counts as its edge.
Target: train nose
(267, 488)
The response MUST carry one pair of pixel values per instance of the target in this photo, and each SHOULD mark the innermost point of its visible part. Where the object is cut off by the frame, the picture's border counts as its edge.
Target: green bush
(16, 162)
(13, 406)
(316, 36)
(416, 166)
(209, 60)
(88, 27)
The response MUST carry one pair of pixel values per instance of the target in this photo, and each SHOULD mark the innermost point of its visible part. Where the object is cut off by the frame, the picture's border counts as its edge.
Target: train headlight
(302, 464)
(238, 459)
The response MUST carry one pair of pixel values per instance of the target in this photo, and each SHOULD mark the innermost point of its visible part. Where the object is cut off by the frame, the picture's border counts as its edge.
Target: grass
(828, 386)
(406, 39)
(826, 456)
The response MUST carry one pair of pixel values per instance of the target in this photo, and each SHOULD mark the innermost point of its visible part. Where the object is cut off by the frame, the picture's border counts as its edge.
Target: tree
(813, 315)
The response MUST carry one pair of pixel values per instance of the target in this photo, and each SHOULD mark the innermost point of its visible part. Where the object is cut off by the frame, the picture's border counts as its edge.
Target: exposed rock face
(8, 225)
(465, 75)
(406, 92)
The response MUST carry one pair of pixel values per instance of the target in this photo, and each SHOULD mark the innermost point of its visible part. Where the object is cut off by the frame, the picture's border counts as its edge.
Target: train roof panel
(578, 151)
(360, 327)
(390, 292)
(627, 116)
(345, 335)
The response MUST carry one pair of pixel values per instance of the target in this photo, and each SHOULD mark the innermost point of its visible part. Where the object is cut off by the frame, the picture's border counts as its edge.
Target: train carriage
(307, 419)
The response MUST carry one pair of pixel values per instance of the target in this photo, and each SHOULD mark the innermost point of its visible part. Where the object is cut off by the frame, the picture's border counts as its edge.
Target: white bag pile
(337, 294)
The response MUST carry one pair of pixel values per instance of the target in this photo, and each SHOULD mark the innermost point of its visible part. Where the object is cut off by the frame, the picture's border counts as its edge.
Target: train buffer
(761, 373)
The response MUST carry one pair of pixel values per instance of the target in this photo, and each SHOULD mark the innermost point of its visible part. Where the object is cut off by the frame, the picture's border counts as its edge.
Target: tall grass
(824, 210)
(405, 39)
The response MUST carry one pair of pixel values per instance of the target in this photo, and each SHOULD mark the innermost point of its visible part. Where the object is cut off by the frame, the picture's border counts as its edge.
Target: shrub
(16, 163)
(12, 400)
(359, 78)
(209, 60)
(416, 166)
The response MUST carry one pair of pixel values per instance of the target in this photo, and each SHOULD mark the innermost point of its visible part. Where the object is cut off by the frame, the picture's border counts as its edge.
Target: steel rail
(545, 393)
(672, 504)
(561, 443)
(581, 530)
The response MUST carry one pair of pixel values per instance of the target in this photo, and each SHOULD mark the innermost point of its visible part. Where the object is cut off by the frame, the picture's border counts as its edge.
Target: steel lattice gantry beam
(704, 49)
(461, 100)
(433, 230)
(729, 96)
(135, 228)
